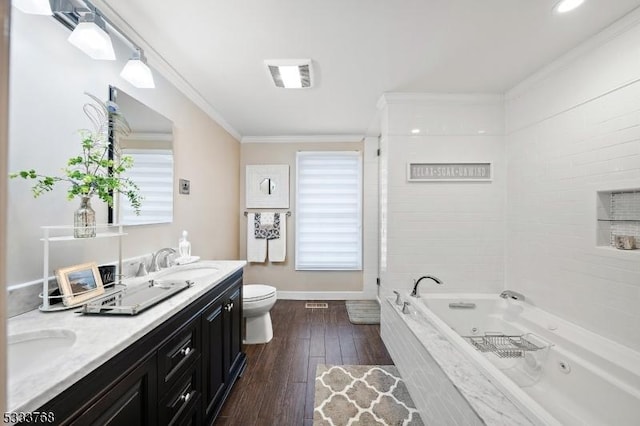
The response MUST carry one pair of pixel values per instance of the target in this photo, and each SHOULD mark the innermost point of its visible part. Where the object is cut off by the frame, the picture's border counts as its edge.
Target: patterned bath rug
(362, 395)
(363, 311)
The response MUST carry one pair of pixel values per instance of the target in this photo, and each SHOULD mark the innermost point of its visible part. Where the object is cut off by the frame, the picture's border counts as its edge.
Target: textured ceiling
(360, 49)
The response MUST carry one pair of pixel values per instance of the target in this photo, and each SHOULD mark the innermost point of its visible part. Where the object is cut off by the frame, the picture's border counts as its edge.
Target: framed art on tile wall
(449, 172)
(267, 186)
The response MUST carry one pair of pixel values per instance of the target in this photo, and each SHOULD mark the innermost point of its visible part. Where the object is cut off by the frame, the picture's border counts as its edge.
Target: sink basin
(194, 272)
(33, 351)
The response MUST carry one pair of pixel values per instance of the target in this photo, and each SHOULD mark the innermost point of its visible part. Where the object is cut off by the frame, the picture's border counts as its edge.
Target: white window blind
(328, 210)
(152, 171)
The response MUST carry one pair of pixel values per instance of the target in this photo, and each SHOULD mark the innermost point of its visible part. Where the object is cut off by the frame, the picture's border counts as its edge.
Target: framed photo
(79, 283)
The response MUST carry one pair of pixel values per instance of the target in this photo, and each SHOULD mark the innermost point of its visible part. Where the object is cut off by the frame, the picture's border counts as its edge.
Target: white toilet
(257, 301)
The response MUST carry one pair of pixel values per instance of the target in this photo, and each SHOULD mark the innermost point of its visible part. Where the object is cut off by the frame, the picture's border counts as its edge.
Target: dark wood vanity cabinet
(178, 374)
(222, 329)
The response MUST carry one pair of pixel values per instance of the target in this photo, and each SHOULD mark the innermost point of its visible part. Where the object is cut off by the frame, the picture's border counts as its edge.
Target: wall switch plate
(185, 186)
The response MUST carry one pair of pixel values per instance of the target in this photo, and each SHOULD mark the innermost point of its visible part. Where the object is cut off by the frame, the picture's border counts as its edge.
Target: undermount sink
(193, 271)
(33, 351)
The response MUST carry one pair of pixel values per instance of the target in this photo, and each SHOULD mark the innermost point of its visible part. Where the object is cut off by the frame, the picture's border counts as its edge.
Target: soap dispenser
(184, 246)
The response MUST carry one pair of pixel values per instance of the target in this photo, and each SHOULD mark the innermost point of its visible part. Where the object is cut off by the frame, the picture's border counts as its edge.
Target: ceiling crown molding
(391, 98)
(303, 139)
(165, 68)
(622, 25)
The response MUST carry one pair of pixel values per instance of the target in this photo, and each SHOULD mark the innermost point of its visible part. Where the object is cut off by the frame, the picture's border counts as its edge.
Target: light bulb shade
(92, 40)
(138, 73)
(34, 7)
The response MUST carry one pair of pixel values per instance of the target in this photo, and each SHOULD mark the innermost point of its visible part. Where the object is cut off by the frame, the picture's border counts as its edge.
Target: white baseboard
(324, 295)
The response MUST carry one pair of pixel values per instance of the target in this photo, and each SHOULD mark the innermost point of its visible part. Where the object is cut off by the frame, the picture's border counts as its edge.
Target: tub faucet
(414, 293)
(510, 294)
(155, 260)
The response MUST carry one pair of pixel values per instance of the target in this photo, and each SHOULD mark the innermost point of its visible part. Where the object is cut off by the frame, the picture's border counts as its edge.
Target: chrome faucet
(510, 294)
(414, 293)
(155, 260)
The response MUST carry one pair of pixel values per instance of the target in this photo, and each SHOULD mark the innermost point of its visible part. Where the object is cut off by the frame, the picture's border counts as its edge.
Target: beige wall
(283, 276)
(5, 10)
(49, 78)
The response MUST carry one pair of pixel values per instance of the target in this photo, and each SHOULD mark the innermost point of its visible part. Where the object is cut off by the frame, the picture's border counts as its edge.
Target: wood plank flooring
(277, 387)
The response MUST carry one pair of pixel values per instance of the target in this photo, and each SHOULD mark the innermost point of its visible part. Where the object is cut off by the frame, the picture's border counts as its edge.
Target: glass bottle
(84, 220)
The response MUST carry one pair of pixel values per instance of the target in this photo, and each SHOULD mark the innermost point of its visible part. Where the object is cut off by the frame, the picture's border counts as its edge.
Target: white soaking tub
(566, 376)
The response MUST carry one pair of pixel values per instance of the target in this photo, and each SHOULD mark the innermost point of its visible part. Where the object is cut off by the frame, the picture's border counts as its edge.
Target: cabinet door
(132, 401)
(213, 361)
(233, 328)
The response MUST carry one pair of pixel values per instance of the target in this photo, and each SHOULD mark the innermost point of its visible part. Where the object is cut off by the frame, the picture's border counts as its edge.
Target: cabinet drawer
(178, 354)
(182, 401)
(193, 416)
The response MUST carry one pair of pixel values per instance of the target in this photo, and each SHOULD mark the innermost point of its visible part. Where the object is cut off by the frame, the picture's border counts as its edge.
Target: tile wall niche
(618, 215)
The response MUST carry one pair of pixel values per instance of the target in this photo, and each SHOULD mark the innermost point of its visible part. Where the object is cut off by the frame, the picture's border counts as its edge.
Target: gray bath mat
(362, 395)
(363, 311)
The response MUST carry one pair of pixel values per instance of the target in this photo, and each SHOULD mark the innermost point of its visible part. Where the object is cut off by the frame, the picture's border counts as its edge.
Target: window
(328, 211)
(153, 173)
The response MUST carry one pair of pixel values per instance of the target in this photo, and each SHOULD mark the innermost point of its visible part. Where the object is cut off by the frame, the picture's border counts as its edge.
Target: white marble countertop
(98, 338)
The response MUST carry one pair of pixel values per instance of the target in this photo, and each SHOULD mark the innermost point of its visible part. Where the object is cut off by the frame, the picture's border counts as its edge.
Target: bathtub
(569, 376)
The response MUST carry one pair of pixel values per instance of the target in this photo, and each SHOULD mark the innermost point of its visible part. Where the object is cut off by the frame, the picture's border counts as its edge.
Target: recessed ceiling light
(415, 131)
(290, 73)
(564, 6)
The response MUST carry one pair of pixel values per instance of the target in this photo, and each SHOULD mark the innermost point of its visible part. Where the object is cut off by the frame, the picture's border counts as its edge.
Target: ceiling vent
(290, 73)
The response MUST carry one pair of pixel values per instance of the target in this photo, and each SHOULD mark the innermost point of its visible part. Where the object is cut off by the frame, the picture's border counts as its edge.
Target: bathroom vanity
(178, 363)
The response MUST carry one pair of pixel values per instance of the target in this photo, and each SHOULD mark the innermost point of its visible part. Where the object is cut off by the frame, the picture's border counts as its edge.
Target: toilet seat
(257, 293)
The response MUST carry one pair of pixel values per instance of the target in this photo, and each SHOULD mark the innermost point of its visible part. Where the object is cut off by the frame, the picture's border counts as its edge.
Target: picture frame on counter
(450, 172)
(79, 283)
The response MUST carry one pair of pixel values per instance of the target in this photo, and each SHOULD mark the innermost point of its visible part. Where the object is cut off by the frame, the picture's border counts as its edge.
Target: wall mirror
(150, 143)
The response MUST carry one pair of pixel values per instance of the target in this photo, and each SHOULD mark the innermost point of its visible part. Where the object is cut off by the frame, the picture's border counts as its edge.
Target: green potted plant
(93, 172)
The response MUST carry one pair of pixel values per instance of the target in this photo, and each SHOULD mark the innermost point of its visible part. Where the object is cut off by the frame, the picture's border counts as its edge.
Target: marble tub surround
(98, 338)
(459, 390)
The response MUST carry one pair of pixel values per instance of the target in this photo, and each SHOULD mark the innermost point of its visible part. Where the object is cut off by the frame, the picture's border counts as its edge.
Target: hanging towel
(267, 219)
(278, 245)
(256, 247)
(266, 232)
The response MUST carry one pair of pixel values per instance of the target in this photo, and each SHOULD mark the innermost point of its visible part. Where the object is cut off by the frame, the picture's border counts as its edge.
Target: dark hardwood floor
(277, 387)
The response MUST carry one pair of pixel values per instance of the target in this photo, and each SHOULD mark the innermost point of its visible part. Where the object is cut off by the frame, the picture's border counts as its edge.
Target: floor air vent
(316, 305)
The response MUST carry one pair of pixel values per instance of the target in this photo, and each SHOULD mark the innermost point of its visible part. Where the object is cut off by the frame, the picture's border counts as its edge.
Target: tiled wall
(573, 130)
(437, 400)
(453, 230)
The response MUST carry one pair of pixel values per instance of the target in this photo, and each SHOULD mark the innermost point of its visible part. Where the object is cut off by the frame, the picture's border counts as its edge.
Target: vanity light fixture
(90, 37)
(415, 131)
(137, 72)
(34, 7)
(564, 6)
(290, 73)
